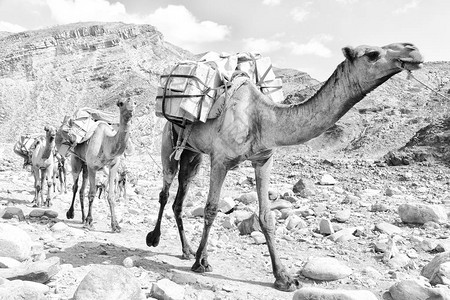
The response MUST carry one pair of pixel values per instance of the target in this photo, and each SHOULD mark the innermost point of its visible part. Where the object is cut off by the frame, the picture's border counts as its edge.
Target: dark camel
(103, 149)
(252, 125)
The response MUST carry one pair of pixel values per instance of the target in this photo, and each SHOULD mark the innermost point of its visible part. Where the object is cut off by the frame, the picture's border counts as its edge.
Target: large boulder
(112, 282)
(14, 242)
(421, 213)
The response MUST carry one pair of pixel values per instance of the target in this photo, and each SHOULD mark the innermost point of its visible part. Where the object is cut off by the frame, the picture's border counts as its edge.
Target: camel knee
(177, 209)
(163, 195)
(210, 213)
(267, 221)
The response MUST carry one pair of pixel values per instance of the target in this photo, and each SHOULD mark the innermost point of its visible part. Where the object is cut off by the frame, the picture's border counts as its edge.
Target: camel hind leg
(189, 166)
(77, 168)
(170, 169)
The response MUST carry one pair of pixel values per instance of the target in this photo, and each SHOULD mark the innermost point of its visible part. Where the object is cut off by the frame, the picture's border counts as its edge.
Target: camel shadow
(16, 201)
(92, 252)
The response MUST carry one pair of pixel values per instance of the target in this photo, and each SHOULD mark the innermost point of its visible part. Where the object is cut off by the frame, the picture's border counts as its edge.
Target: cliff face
(46, 74)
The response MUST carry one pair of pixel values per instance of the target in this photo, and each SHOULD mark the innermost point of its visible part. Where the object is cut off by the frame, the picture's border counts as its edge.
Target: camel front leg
(69, 213)
(217, 177)
(283, 281)
(110, 197)
(42, 179)
(37, 187)
(49, 177)
(91, 196)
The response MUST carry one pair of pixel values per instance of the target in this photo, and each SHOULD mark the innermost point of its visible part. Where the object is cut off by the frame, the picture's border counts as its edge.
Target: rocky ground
(365, 195)
(49, 73)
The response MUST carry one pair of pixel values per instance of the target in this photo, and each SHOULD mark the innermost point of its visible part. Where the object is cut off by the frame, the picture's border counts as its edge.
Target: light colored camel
(103, 149)
(42, 162)
(251, 126)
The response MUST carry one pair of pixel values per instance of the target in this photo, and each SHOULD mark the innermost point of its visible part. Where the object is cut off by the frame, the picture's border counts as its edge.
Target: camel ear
(349, 53)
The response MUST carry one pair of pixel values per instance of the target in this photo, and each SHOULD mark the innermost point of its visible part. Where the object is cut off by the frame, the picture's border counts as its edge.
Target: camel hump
(85, 121)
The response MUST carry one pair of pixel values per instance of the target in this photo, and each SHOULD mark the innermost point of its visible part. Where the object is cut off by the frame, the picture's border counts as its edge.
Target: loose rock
(109, 282)
(420, 213)
(39, 271)
(313, 293)
(325, 268)
(327, 179)
(389, 229)
(165, 289)
(14, 242)
(11, 212)
(248, 198)
(249, 225)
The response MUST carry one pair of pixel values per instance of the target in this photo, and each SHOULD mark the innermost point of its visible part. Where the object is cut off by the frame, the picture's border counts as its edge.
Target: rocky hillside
(46, 74)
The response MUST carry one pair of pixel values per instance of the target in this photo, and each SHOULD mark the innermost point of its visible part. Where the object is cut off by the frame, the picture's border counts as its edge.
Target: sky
(305, 35)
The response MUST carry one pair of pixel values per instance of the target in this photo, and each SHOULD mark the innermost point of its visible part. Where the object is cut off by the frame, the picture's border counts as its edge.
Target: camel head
(50, 132)
(377, 64)
(126, 107)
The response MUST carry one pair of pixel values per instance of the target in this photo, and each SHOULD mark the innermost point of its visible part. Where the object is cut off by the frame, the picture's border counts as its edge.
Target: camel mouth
(410, 64)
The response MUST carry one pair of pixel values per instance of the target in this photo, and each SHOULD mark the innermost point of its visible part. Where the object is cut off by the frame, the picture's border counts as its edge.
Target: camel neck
(120, 139)
(49, 145)
(298, 123)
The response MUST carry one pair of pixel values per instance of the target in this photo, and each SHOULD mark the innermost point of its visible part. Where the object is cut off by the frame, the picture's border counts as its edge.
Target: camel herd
(249, 127)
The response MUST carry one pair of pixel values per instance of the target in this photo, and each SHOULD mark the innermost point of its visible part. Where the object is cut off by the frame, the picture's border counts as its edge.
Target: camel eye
(373, 55)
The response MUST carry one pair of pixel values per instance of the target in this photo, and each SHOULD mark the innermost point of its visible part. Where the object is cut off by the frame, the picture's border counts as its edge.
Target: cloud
(5, 26)
(299, 14)
(180, 26)
(314, 46)
(408, 6)
(71, 11)
(261, 45)
(347, 1)
(271, 2)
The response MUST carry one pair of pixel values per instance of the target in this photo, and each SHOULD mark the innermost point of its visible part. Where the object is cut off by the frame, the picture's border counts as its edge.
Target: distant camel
(42, 161)
(103, 149)
(251, 126)
(60, 173)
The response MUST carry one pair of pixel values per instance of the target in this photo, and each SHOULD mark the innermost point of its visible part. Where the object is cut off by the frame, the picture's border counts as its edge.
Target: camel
(103, 149)
(251, 126)
(42, 162)
(59, 172)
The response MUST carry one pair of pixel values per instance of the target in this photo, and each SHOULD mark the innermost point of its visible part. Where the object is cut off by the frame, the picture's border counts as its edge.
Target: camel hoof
(288, 285)
(69, 214)
(115, 228)
(87, 226)
(199, 268)
(188, 255)
(153, 238)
